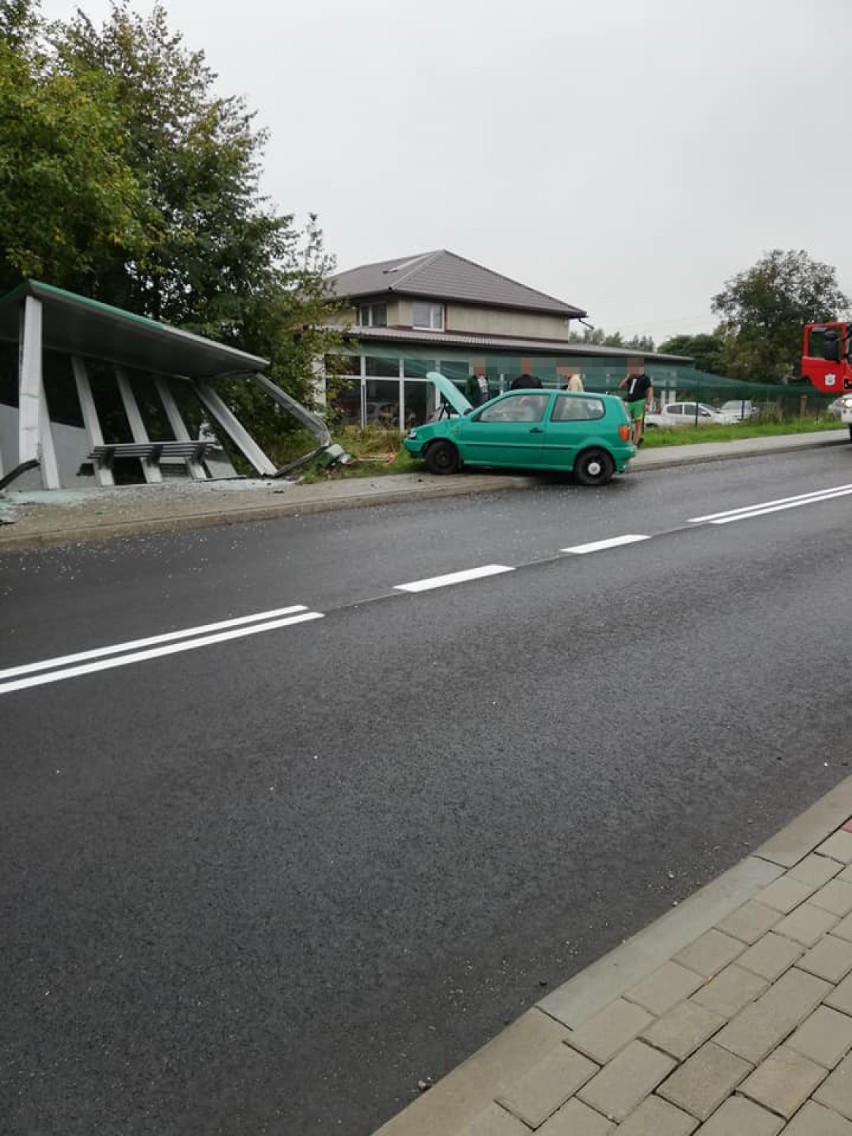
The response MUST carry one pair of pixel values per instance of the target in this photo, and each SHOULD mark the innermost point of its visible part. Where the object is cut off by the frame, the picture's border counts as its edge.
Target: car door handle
(536, 430)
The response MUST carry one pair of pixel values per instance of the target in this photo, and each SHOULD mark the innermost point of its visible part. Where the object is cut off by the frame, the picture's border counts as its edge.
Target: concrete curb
(389, 490)
(466, 1091)
(146, 526)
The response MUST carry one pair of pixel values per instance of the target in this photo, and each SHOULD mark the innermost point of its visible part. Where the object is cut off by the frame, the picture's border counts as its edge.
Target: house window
(428, 317)
(373, 315)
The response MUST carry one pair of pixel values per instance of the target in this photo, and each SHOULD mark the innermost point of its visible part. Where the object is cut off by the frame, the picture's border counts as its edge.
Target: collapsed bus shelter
(88, 391)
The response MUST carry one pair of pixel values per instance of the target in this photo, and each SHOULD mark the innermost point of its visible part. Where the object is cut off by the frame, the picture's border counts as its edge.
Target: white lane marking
(151, 641)
(453, 578)
(779, 508)
(780, 502)
(600, 545)
(156, 652)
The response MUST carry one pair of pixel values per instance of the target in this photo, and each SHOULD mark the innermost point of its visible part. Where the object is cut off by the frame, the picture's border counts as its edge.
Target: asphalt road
(264, 885)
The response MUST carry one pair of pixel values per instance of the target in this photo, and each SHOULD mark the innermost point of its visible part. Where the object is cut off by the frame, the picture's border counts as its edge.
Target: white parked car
(739, 409)
(842, 408)
(688, 414)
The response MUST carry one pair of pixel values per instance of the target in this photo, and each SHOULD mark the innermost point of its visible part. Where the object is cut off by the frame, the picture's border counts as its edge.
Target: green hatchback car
(584, 434)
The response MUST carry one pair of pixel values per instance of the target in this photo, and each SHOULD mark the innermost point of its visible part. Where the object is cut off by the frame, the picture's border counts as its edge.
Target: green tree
(764, 308)
(69, 200)
(600, 338)
(124, 176)
(706, 350)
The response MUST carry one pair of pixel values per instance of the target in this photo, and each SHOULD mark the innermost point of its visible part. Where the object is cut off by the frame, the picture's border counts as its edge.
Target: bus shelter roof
(76, 325)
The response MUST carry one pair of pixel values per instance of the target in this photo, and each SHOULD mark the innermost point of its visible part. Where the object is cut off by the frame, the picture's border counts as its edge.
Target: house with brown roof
(440, 311)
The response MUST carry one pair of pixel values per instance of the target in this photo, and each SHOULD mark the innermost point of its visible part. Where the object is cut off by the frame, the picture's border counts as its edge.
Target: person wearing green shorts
(639, 393)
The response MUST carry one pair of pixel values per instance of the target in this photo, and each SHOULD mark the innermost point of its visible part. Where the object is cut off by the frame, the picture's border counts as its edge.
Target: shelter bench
(151, 452)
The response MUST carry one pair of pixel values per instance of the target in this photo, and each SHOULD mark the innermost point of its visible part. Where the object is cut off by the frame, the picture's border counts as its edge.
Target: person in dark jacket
(525, 381)
(638, 395)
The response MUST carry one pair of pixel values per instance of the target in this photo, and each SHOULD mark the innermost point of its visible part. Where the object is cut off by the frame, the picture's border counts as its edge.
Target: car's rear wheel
(594, 467)
(442, 457)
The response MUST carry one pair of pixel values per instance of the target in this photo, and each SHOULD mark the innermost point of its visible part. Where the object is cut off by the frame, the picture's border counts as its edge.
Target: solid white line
(151, 641)
(779, 508)
(155, 652)
(817, 494)
(600, 545)
(453, 578)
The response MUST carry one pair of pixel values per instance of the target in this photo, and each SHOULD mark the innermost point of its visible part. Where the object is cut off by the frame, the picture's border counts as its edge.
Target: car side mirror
(831, 347)
(706, 414)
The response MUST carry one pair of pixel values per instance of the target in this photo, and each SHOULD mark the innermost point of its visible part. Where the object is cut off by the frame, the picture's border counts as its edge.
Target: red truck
(826, 364)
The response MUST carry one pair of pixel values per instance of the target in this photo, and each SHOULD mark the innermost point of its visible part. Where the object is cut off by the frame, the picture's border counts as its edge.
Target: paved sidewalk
(42, 519)
(729, 1016)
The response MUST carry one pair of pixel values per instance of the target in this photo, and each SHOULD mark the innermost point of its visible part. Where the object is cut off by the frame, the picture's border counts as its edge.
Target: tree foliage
(69, 200)
(708, 351)
(600, 338)
(126, 177)
(764, 308)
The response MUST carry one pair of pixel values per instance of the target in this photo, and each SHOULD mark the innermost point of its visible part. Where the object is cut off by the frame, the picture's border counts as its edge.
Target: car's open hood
(450, 392)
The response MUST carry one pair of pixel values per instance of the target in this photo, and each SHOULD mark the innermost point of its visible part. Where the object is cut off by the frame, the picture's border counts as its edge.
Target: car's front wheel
(442, 457)
(594, 467)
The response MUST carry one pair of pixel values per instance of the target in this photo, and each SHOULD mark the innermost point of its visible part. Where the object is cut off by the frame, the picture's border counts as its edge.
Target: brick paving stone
(750, 921)
(495, 1121)
(602, 1036)
(731, 990)
(807, 924)
(710, 953)
(835, 896)
(547, 1085)
(771, 956)
(838, 847)
(741, 1117)
(701, 1084)
(836, 1091)
(815, 869)
(757, 1029)
(784, 894)
(784, 1081)
(576, 1119)
(680, 1031)
(655, 1117)
(844, 928)
(825, 1037)
(846, 875)
(626, 1080)
(841, 997)
(830, 959)
(665, 988)
(816, 1120)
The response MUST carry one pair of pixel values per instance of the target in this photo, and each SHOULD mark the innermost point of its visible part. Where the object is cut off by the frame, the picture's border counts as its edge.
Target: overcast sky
(626, 156)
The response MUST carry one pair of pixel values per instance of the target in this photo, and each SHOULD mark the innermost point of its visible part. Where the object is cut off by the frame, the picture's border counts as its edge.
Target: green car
(585, 434)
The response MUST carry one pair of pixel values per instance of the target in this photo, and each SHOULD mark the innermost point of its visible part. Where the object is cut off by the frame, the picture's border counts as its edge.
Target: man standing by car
(638, 396)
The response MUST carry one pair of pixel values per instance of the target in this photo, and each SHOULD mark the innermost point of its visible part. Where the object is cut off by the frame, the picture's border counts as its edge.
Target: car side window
(675, 408)
(569, 408)
(516, 408)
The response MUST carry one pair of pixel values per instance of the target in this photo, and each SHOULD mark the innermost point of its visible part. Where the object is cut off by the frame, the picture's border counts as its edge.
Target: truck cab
(825, 356)
(826, 364)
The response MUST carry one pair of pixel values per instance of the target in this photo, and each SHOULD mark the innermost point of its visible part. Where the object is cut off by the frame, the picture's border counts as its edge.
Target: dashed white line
(453, 578)
(103, 664)
(775, 506)
(600, 545)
